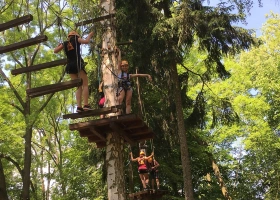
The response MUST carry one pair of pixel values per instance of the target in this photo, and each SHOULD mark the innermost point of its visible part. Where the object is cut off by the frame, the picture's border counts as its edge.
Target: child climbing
(75, 66)
(142, 168)
(124, 84)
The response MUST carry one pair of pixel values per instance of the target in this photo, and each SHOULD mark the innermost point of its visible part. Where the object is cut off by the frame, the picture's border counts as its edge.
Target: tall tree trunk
(186, 164)
(3, 188)
(27, 163)
(114, 146)
(115, 167)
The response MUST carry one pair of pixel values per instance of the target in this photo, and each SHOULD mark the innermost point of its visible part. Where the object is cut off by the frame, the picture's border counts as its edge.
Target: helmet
(73, 33)
(142, 153)
(150, 160)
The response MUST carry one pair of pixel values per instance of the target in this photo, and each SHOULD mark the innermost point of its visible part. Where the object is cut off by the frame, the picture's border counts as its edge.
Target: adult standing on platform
(153, 168)
(75, 66)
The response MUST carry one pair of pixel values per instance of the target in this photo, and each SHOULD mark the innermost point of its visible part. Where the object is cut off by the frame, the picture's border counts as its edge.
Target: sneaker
(79, 109)
(87, 107)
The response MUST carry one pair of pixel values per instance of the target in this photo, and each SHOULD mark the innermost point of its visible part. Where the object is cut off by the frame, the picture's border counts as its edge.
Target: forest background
(228, 91)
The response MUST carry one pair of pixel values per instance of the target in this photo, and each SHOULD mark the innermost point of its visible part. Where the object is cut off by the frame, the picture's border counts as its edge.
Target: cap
(73, 33)
(142, 153)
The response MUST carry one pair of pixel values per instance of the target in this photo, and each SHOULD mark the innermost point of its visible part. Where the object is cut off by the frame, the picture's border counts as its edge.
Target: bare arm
(156, 164)
(100, 87)
(133, 159)
(58, 48)
(141, 75)
(152, 154)
(85, 41)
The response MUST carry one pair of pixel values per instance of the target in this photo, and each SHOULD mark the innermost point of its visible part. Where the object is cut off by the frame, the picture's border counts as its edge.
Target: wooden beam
(105, 121)
(39, 66)
(23, 44)
(16, 22)
(95, 112)
(115, 127)
(94, 20)
(40, 91)
(95, 132)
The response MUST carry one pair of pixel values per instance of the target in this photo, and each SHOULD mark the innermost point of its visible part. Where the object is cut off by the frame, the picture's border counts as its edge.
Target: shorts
(154, 174)
(142, 171)
(72, 68)
(120, 89)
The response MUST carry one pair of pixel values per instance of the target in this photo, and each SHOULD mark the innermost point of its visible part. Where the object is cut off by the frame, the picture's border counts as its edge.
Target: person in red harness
(142, 168)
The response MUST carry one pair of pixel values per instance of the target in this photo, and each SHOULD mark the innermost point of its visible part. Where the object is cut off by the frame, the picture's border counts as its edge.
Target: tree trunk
(114, 146)
(27, 164)
(115, 167)
(3, 188)
(186, 164)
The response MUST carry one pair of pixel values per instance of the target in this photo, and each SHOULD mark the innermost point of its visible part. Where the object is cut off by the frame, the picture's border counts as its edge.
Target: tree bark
(115, 167)
(3, 187)
(109, 66)
(186, 164)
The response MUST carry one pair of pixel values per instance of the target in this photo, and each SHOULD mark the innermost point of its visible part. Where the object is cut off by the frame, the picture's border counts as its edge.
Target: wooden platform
(148, 195)
(95, 112)
(131, 127)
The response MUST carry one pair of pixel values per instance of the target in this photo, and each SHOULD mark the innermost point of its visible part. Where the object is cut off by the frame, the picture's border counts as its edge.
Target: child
(75, 65)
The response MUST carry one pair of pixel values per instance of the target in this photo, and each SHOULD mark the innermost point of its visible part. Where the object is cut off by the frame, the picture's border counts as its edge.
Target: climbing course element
(39, 66)
(23, 44)
(130, 127)
(47, 89)
(16, 22)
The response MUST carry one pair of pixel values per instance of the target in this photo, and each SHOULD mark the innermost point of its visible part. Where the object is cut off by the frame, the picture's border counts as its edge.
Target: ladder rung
(23, 44)
(16, 22)
(47, 89)
(95, 20)
(39, 66)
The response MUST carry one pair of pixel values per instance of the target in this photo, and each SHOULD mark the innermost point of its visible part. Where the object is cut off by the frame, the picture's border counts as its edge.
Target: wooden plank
(39, 66)
(23, 44)
(95, 132)
(115, 127)
(94, 20)
(39, 91)
(16, 22)
(104, 121)
(96, 112)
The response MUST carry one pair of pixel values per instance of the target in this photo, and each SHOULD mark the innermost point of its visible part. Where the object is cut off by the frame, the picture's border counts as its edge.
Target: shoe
(87, 107)
(79, 109)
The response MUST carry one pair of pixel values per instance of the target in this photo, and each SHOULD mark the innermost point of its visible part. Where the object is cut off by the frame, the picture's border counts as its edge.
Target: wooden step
(39, 66)
(94, 20)
(47, 89)
(16, 22)
(95, 112)
(23, 44)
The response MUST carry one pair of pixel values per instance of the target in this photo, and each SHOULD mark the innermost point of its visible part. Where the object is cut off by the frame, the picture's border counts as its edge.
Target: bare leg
(83, 76)
(121, 97)
(128, 101)
(157, 181)
(142, 178)
(146, 178)
(78, 91)
(153, 184)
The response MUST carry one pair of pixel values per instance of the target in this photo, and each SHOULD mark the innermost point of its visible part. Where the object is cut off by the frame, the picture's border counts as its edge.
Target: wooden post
(114, 144)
